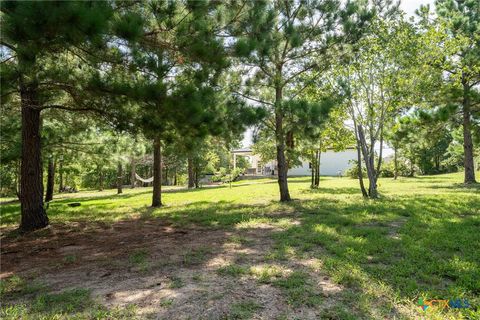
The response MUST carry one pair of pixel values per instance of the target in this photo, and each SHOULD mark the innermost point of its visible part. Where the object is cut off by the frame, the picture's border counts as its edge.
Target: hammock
(143, 180)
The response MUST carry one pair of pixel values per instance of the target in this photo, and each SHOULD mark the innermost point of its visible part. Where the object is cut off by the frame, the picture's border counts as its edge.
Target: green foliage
(352, 172)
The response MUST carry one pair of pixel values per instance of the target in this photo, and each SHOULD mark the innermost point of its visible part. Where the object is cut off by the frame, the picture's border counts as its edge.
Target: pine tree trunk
(317, 168)
(50, 180)
(467, 136)
(197, 180)
(368, 157)
(395, 163)
(119, 178)
(18, 177)
(191, 175)
(60, 172)
(175, 177)
(313, 166)
(133, 167)
(33, 214)
(157, 173)
(280, 140)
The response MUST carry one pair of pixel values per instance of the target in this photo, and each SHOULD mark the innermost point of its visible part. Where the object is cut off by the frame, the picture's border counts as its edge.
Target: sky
(409, 6)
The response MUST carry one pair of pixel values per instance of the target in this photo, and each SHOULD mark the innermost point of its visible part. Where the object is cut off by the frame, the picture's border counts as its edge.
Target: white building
(331, 163)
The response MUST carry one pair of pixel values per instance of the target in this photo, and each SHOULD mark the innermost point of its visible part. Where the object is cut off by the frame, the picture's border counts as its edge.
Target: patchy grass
(176, 282)
(421, 239)
(232, 270)
(73, 303)
(139, 259)
(243, 310)
(267, 273)
(195, 256)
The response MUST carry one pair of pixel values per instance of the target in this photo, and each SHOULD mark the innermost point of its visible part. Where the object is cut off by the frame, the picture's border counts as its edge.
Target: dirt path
(165, 271)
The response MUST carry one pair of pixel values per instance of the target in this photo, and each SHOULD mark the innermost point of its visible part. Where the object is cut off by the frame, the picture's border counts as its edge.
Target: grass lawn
(236, 253)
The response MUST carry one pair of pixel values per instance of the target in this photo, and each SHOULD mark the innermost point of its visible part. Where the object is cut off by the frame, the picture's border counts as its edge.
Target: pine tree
(47, 68)
(452, 47)
(279, 41)
(178, 63)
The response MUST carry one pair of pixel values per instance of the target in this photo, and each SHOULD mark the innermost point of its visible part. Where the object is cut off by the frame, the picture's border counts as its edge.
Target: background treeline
(94, 89)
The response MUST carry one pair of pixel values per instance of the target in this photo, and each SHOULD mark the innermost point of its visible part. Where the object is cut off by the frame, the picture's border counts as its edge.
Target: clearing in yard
(237, 253)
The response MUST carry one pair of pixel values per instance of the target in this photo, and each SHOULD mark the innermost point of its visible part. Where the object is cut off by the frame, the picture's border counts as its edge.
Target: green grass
(243, 310)
(232, 270)
(420, 239)
(76, 303)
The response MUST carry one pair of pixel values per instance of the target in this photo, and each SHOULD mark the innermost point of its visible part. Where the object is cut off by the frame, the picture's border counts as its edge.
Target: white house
(331, 163)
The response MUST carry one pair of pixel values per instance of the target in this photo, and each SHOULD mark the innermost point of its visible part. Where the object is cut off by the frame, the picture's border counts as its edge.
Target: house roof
(242, 150)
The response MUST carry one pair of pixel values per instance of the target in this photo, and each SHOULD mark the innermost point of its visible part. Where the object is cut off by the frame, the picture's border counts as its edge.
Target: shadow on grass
(346, 190)
(384, 253)
(400, 249)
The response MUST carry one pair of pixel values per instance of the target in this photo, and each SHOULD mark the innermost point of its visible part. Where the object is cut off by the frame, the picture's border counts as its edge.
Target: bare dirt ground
(167, 272)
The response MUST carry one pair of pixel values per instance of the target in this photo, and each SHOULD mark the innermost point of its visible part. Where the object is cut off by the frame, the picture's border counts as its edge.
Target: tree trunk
(280, 140)
(60, 172)
(197, 180)
(157, 173)
(119, 178)
(50, 180)
(133, 168)
(18, 177)
(313, 166)
(175, 177)
(317, 168)
(395, 163)
(368, 157)
(166, 175)
(33, 214)
(191, 175)
(467, 136)
(359, 163)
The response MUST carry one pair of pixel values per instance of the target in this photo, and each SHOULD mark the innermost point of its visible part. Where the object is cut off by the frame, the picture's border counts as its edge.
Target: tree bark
(395, 163)
(50, 180)
(317, 168)
(467, 136)
(191, 174)
(119, 178)
(175, 177)
(359, 163)
(280, 140)
(368, 157)
(196, 176)
(166, 175)
(60, 172)
(33, 214)
(133, 169)
(157, 173)
(313, 166)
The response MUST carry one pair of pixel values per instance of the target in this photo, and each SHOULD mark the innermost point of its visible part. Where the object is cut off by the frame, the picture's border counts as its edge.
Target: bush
(353, 171)
(233, 175)
(223, 176)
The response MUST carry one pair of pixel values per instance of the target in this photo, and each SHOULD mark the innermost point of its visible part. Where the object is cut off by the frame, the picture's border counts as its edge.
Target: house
(332, 163)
